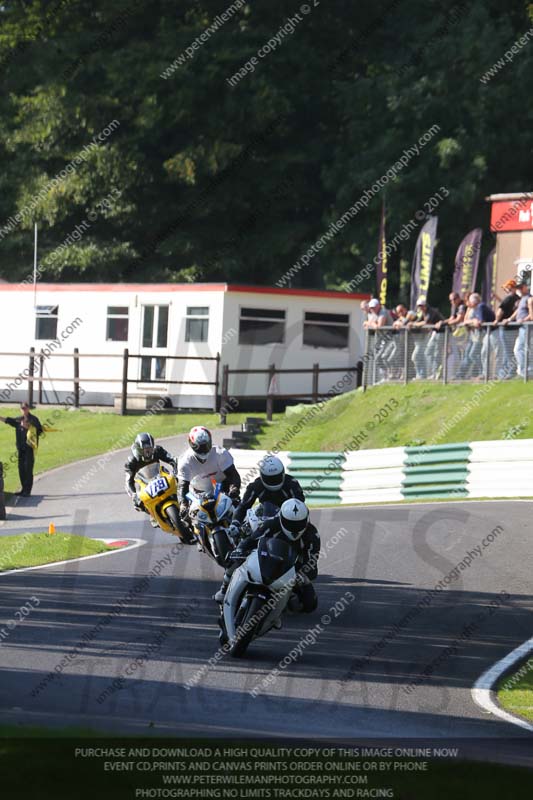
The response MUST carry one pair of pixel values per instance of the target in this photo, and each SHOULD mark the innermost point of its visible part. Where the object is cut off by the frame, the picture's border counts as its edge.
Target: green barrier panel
(310, 468)
(449, 457)
(438, 448)
(436, 471)
(447, 490)
(449, 466)
(318, 495)
(436, 477)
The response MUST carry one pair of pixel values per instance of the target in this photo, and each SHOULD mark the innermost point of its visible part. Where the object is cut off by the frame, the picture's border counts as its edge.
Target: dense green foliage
(207, 181)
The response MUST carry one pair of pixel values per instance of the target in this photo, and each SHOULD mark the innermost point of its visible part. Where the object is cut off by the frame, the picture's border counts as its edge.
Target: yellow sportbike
(157, 490)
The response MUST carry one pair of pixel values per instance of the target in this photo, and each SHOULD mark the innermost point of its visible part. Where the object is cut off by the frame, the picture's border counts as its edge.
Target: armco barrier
(436, 471)
(319, 474)
(502, 468)
(2, 498)
(373, 476)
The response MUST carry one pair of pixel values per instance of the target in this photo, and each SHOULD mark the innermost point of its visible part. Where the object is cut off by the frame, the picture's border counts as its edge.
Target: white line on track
(483, 692)
(135, 543)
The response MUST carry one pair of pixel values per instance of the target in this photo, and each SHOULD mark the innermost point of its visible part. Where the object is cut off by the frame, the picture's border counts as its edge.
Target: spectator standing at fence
(426, 352)
(27, 431)
(457, 311)
(378, 315)
(507, 336)
(477, 314)
(401, 316)
(522, 315)
(457, 340)
(384, 345)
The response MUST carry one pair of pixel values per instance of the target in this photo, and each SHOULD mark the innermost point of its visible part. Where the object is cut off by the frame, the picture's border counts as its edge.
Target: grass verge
(35, 549)
(416, 414)
(515, 691)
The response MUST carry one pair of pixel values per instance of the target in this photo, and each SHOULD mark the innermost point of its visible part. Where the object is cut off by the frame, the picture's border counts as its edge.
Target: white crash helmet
(293, 517)
(272, 473)
(200, 442)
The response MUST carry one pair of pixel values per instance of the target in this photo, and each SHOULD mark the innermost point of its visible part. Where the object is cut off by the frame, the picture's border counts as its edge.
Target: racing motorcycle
(157, 489)
(258, 594)
(210, 515)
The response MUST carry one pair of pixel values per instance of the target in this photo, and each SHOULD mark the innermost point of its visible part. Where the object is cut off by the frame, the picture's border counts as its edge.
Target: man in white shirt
(204, 460)
(378, 315)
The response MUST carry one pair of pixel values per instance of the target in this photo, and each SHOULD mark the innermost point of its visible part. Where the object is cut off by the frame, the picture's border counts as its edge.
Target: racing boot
(219, 596)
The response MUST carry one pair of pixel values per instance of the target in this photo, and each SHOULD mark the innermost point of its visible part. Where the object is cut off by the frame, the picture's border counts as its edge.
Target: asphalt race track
(349, 680)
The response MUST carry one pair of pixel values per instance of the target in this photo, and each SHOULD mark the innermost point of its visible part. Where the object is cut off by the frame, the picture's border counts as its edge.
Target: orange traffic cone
(51, 528)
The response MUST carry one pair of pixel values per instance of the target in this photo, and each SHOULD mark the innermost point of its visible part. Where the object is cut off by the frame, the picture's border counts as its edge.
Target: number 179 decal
(157, 486)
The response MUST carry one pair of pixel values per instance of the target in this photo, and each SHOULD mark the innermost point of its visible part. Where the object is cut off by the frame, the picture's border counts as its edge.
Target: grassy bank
(34, 549)
(395, 416)
(81, 434)
(384, 416)
(515, 692)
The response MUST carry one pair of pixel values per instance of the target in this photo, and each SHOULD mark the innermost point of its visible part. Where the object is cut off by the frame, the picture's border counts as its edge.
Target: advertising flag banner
(423, 261)
(381, 268)
(489, 279)
(466, 263)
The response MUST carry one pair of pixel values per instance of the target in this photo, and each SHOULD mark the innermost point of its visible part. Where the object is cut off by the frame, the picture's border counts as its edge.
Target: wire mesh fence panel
(490, 352)
(387, 362)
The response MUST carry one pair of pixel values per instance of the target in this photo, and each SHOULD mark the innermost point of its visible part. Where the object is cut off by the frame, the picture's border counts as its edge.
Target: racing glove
(138, 504)
(234, 494)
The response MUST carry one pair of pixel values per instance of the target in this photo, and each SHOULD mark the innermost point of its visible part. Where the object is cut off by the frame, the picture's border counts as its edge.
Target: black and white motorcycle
(210, 515)
(258, 594)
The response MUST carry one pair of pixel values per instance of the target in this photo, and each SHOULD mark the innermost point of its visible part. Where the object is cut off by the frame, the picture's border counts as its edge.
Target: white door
(154, 343)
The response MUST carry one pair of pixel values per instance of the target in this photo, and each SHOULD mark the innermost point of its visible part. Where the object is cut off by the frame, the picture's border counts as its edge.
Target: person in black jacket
(144, 451)
(26, 451)
(272, 486)
(292, 524)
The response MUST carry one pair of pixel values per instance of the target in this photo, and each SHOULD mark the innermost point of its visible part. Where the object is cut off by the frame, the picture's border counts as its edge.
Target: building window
(261, 326)
(117, 324)
(326, 330)
(46, 322)
(197, 324)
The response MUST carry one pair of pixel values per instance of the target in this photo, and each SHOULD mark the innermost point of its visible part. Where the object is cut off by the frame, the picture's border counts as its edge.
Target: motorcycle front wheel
(242, 639)
(173, 516)
(223, 547)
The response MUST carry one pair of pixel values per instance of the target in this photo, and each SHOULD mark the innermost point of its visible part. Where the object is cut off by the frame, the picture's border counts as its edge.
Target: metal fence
(453, 354)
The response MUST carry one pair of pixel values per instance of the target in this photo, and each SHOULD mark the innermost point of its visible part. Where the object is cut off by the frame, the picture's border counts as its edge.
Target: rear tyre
(242, 640)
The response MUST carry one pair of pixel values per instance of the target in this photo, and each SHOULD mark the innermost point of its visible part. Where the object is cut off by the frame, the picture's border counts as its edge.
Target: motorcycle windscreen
(276, 557)
(149, 472)
(269, 510)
